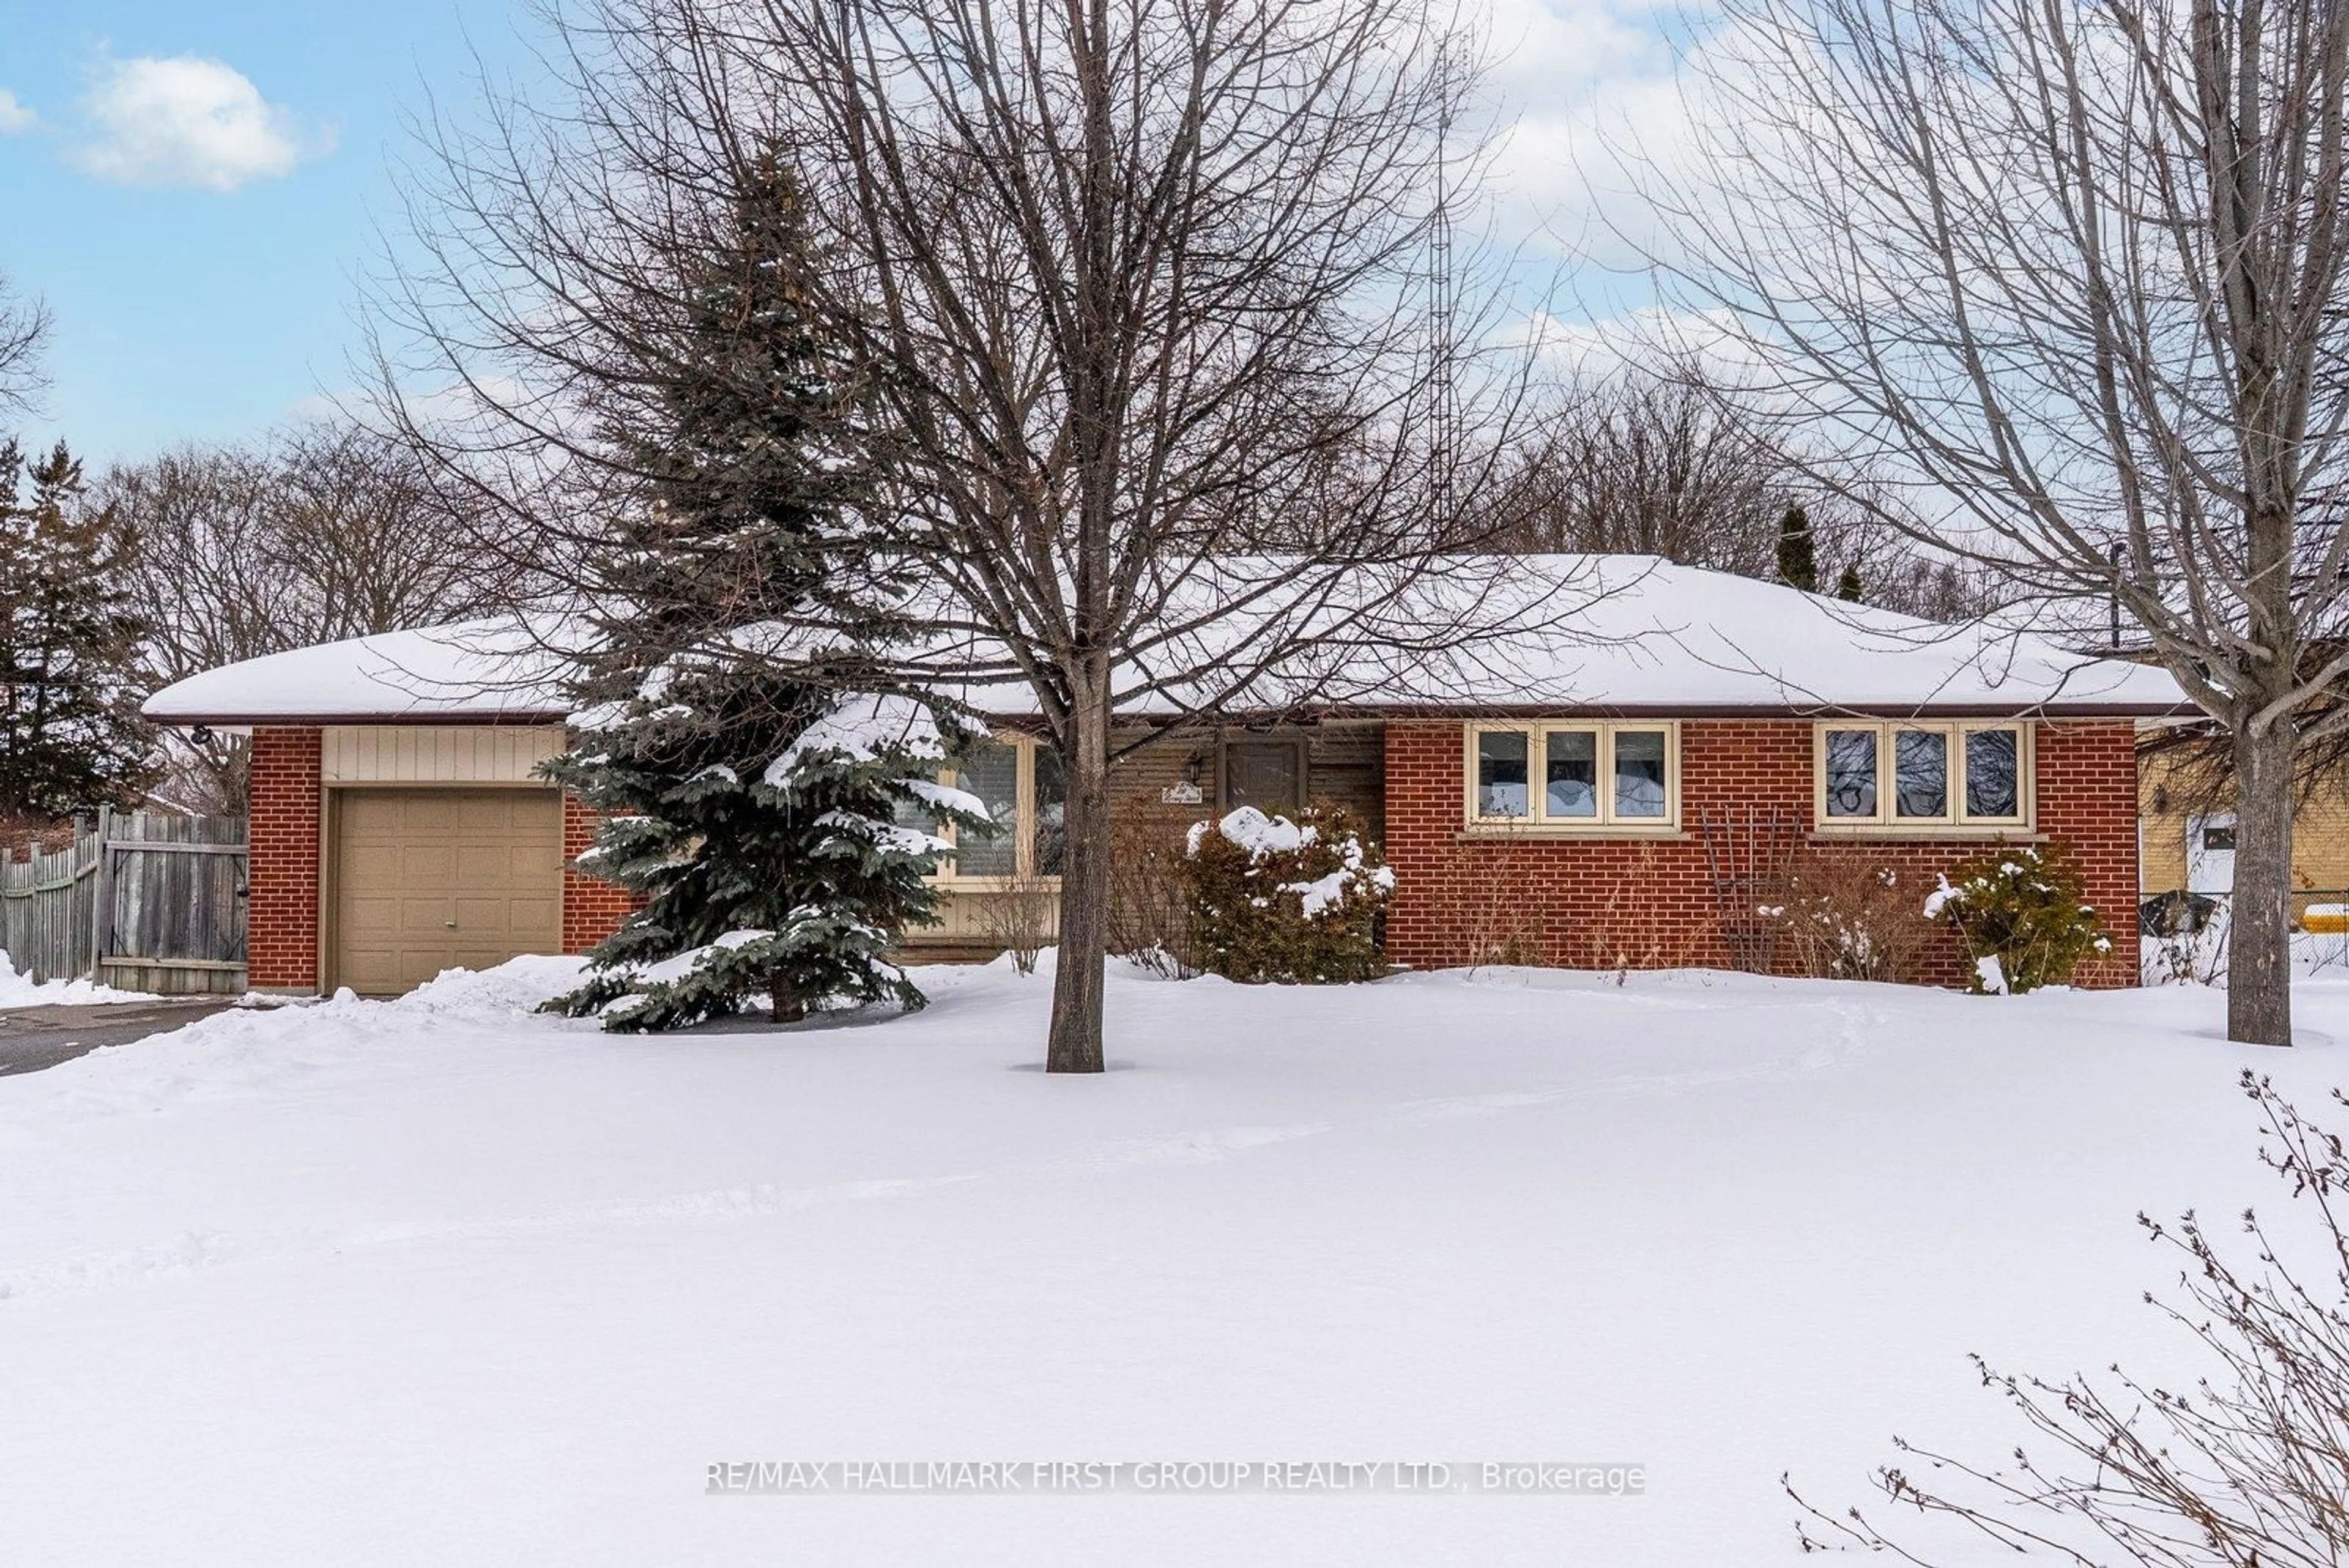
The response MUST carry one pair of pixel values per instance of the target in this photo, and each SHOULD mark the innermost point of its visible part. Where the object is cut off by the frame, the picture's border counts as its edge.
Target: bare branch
(2073, 276)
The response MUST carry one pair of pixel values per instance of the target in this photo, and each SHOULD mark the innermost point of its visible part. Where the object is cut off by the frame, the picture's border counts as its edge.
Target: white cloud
(1642, 338)
(186, 120)
(14, 114)
(1573, 82)
(1546, 50)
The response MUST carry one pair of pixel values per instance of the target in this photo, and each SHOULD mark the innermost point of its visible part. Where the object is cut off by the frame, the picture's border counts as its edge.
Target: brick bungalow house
(1576, 793)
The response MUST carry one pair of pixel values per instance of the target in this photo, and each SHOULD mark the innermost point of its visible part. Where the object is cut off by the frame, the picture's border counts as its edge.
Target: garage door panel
(543, 864)
(542, 915)
(420, 917)
(428, 879)
(483, 868)
(365, 811)
(432, 812)
(363, 913)
(478, 913)
(371, 973)
(429, 865)
(374, 864)
(499, 869)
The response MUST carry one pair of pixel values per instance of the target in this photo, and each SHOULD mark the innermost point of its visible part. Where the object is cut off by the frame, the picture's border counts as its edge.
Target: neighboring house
(2188, 814)
(1596, 793)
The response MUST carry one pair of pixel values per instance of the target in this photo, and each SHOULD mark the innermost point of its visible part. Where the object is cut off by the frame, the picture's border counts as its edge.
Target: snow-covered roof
(1636, 634)
(1626, 634)
(477, 671)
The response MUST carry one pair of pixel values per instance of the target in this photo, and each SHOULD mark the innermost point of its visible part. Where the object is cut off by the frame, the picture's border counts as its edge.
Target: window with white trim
(1020, 783)
(1587, 774)
(1905, 773)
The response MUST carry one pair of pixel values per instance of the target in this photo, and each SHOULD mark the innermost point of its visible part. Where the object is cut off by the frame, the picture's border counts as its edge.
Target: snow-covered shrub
(2019, 913)
(1846, 918)
(1273, 900)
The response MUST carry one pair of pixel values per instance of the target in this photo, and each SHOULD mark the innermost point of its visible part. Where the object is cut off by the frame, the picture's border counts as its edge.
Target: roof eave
(339, 720)
(1359, 710)
(1467, 710)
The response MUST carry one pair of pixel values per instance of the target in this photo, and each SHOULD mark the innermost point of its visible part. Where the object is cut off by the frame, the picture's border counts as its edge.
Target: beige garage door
(428, 879)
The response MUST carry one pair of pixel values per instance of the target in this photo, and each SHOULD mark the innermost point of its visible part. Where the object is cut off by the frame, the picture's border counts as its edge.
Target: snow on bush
(1273, 900)
(1846, 919)
(2019, 913)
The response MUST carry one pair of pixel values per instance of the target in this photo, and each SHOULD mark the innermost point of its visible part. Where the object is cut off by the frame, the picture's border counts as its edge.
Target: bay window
(1910, 774)
(1567, 775)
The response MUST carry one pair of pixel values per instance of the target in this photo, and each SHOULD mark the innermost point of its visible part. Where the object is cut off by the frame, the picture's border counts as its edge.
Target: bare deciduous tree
(375, 542)
(1655, 463)
(2076, 274)
(323, 532)
(1664, 461)
(1144, 285)
(24, 334)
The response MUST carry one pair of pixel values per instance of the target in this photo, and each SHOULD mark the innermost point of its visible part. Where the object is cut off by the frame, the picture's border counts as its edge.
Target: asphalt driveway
(32, 1038)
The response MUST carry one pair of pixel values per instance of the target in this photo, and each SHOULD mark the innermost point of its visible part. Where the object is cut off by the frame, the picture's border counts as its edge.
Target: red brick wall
(1649, 903)
(282, 904)
(592, 910)
(2087, 795)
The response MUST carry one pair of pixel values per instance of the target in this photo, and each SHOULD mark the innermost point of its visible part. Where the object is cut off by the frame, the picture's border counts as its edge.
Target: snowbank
(19, 991)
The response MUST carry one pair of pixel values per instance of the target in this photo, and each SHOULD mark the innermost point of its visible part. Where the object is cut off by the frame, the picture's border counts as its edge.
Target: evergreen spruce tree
(70, 733)
(1847, 587)
(1799, 561)
(768, 798)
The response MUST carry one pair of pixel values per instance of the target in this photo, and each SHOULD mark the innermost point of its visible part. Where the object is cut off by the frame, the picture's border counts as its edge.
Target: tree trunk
(785, 1005)
(1081, 970)
(2258, 959)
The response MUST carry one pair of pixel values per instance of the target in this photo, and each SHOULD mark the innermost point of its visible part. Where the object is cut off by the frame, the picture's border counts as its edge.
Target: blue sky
(194, 185)
(199, 249)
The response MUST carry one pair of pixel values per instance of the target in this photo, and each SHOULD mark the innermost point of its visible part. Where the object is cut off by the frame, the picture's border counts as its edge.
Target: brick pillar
(591, 909)
(2087, 795)
(1423, 785)
(282, 905)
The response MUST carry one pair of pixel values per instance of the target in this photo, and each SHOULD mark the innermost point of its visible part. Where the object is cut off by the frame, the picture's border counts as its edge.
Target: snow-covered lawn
(438, 1281)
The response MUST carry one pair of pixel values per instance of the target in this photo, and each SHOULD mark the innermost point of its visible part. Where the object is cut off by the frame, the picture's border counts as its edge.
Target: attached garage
(399, 821)
(431, 877)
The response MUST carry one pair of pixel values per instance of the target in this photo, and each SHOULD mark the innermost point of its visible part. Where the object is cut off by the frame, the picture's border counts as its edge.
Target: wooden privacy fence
(147, 901)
